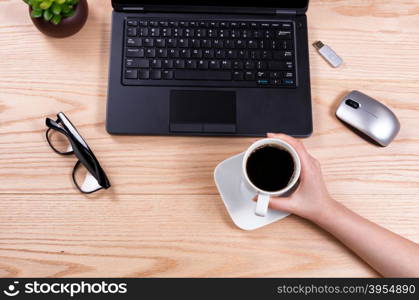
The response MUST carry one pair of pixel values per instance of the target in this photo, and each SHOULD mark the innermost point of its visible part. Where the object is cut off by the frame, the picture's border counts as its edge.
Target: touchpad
(202, 111)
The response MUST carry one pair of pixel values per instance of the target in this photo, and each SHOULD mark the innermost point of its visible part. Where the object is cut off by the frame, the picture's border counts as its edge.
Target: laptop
(217, 68)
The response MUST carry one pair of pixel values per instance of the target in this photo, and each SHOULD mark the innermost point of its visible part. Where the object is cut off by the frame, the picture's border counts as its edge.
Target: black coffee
(270, 168)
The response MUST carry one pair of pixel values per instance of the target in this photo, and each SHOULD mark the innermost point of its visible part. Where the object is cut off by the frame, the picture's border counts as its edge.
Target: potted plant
(58, 18)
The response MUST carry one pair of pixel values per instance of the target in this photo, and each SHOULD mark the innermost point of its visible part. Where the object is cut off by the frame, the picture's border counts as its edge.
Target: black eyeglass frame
(79, 148)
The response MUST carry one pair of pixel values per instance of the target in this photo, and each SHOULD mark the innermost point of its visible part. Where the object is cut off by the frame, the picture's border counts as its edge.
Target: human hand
(311, 198)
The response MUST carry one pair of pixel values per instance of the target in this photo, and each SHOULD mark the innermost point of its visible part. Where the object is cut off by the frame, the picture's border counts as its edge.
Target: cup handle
(262, 205)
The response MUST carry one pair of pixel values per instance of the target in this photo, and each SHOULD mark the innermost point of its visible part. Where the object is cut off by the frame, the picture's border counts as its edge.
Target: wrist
(327, 211)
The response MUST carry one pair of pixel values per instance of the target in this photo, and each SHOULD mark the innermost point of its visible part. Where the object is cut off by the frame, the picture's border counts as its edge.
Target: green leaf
(56, 9)
(47, 15)
(56, 19)
(46, 4)
(69, 14)
(60, 1)
(36, 13)
(66, 8)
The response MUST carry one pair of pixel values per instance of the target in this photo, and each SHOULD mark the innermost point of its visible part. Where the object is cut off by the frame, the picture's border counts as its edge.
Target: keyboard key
(144, 74)
(134, 42)
(148, 42)
(162, 53)
(155, 74)
(190, 64)
(171, 43)
(208, 53)
(231, 54)
(131, 31)
(288, 81)
(226, 64)
(241, 44)
(237, 65)
(262, 82)
(202, 75)
(131, 22)
(249, 75)
(135, 52)
(188, 32)
(155, 63)
(185, 53)
(143, 31)
(237, 75)
(275, 75)
(249, 65)
(195, 43)
(143, 23)
(179, 63)
(243, 54)
(173, 53)
(218, 44)
(224, 33)
(131, 74)
(261, 65)
(288, 74)
(167, 74)
(283, 34)
(150, 52)
(137, 63)
(196, 53)
(277, 65)
(166, 32)
(203, 64)
(167, 63)
(154, 32)
(287, 44)
(160, 43)
(220, 53)
(287, 26)
(183, 43)
(251, 44)
(214, 64)
(206, 44)
(261, 75)
(266, 55)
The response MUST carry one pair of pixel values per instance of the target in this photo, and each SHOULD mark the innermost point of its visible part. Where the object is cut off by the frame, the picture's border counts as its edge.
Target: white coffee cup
(264, 196)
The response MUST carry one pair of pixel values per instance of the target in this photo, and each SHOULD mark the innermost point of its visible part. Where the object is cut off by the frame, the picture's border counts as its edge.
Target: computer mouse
(368, 117)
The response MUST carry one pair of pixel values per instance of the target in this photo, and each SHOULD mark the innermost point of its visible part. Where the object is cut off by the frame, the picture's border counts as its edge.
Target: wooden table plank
(163, 215)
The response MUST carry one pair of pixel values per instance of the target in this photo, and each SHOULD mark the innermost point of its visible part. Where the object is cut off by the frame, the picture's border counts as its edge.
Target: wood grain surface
(163, 215)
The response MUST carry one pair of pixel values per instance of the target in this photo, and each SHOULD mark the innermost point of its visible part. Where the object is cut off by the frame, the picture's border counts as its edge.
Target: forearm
(388, 253)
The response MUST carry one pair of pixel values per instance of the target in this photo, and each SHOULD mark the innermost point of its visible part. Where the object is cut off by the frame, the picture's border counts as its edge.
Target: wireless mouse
(368, 117)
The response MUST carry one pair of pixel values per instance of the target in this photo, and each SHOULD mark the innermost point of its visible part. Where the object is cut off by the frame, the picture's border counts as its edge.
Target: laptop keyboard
(209, 53)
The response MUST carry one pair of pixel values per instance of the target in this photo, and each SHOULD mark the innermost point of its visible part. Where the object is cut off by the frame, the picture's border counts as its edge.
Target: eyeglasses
(64, 139)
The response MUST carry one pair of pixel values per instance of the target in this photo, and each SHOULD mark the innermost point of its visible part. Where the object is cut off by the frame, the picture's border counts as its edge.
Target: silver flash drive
(328, 54)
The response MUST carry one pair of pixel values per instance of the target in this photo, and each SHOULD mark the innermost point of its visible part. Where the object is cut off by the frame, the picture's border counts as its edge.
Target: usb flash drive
(328, 54)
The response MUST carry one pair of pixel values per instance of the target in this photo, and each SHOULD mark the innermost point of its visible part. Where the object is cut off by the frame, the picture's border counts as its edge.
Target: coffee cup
(271, 167)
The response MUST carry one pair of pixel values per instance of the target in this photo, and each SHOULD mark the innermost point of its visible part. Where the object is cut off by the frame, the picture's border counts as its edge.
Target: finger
(289, 139)
(296, 144)
(280, 203)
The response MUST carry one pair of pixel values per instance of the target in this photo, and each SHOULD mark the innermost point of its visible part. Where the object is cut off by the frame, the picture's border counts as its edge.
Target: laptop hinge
(285, 12)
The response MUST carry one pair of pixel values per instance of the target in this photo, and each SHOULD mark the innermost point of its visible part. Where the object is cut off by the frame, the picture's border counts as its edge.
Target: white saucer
(237, 197)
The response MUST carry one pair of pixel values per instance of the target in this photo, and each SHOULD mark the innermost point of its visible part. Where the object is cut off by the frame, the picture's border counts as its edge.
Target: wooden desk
(163, 215)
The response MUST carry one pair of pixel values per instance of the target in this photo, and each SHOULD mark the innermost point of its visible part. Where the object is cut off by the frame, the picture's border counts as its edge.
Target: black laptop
(225, 68)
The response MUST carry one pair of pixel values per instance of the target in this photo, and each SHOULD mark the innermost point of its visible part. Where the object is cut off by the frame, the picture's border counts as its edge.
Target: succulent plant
(52, 10)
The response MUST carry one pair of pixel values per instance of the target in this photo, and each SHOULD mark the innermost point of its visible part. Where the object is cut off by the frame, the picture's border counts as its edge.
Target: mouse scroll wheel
(352, 103)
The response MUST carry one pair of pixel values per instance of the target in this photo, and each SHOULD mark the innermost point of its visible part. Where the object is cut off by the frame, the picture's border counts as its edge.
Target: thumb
(282, 203)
